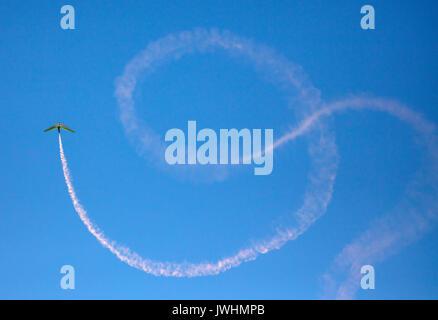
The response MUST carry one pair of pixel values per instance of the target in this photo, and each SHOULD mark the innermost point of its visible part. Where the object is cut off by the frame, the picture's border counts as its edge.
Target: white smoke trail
(81, 211)
(173, 47)
(312, 209)
(186, 269)
(322, 147)
(288, 76)
(415, 215)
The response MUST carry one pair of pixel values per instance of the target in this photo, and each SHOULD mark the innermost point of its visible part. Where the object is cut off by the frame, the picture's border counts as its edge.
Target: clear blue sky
(51, 75)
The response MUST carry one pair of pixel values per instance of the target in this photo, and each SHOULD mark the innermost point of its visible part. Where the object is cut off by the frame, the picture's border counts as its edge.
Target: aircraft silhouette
(59, 126)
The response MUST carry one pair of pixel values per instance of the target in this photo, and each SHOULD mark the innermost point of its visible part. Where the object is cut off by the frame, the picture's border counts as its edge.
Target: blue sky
(51, 75)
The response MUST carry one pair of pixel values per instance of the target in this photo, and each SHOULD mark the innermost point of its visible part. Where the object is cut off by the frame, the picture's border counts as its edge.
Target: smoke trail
(185, 269)
(322, 149)
(415, 215)
(81, 211)
(280, 70)
(313, 208)
(290, 79)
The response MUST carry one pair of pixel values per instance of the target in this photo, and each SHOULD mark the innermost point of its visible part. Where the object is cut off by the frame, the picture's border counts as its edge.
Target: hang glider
(59, 126)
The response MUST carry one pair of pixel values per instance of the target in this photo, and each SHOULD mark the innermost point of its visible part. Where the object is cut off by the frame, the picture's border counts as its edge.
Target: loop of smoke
(418, 212)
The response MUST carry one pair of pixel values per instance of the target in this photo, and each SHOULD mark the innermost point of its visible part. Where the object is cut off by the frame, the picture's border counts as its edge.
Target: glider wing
(66, 128)
(50, 129)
